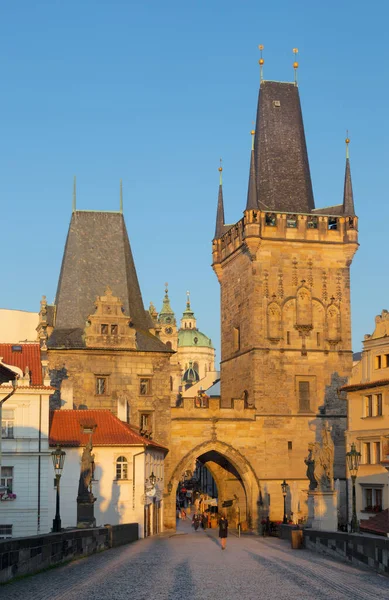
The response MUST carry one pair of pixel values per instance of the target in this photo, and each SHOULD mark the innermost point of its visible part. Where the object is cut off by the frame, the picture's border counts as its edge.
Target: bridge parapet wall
(200, 408)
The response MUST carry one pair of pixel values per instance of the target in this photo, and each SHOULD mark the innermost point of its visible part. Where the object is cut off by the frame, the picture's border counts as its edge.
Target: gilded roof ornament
(74, 194)
(220, 169)
(347, 140)
(295, 64)
(261, 61)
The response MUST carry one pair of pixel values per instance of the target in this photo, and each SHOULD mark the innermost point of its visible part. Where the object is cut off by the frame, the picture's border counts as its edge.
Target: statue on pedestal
(85, 498)
(320, 462)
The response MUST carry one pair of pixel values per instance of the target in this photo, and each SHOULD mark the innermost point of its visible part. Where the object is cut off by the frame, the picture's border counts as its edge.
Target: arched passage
(233, 474)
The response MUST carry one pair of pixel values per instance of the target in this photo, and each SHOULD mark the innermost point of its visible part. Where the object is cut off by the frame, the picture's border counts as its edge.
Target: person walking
(223, 531)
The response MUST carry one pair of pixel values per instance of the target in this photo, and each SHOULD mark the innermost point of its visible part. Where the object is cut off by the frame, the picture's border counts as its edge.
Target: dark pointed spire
(252, 201)
(348, 199)
(219, 230)
(281, 159)
(166, 311)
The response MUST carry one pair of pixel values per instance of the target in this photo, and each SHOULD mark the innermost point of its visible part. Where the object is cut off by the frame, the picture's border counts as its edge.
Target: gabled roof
(67, 429)
(97, 254)
(353, 387)
(281, 160)
(23, 356)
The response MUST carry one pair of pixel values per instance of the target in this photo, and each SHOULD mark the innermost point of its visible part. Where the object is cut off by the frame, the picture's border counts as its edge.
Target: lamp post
(353, 459)
(284, 487)
(58, 457)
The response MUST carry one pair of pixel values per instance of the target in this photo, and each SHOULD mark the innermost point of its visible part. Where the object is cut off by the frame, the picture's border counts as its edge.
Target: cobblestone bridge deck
(192, 565)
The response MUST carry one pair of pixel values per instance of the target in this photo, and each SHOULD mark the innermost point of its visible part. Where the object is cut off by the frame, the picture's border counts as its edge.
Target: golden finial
(295, 65)
(220, 169)
(347, 140)
(261, 61)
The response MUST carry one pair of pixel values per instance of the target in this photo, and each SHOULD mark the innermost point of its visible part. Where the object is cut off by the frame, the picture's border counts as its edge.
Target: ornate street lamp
(284, 487)
(353, 459)
(58, 457)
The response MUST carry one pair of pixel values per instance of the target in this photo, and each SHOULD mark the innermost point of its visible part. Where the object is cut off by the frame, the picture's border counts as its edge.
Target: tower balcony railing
(287, 226)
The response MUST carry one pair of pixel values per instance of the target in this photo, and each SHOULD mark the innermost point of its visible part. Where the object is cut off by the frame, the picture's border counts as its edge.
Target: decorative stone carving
(266, 284)
(333, 323)
(322, 456)
(109, 326)
(324, 293)
(274, 320)
(294, 272)
(304, 307)
(280, 284)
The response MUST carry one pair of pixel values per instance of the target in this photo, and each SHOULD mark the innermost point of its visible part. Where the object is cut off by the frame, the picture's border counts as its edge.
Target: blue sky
(154, 93)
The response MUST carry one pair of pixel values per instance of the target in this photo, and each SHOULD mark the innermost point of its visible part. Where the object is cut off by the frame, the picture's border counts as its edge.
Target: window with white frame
(377, 452)
(5, 531)
(7, 423)
(7, 476)
(367, 453)
(378, 405)
(372, 499)
(121, 468)
(368, 406)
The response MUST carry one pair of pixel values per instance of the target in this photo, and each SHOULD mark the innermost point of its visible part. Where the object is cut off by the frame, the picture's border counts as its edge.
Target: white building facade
(128, 476)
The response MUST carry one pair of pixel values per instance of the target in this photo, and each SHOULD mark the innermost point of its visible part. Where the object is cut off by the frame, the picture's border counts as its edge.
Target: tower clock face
(168, 330)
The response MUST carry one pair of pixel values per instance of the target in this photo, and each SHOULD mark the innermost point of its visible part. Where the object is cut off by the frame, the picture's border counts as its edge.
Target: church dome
(194, 338)
(191, 376)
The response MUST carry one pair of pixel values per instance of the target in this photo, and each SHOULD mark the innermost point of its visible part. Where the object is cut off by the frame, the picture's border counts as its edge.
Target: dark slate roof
(97, 254)
(348, 198)
(50, 315)
(252, 201)
(281, 159)
(329, 210)
(219, 230)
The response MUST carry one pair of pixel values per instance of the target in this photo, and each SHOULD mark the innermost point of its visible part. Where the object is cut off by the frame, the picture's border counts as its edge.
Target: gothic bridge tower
(284, 274)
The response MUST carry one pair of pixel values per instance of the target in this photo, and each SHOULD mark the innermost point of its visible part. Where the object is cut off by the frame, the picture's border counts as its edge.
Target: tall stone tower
(102, 350)
(284, 273)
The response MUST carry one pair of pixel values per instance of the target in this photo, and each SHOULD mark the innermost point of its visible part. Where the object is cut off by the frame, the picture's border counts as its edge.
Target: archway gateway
(237, 484)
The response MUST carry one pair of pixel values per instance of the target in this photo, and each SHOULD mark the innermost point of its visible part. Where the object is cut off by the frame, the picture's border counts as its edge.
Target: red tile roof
(66, 429)
(29, 356)
(353, 387)
(379, 524)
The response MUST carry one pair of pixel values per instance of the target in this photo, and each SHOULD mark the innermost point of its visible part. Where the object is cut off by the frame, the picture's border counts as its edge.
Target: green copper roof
(166, 315)
(193, 337)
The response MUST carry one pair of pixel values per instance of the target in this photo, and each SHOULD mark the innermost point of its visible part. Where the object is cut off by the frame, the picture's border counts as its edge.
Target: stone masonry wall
(361, 550)
(23, 556)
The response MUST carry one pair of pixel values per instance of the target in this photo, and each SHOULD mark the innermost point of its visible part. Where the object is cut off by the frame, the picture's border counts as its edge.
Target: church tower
(102, 350)
(284, 274)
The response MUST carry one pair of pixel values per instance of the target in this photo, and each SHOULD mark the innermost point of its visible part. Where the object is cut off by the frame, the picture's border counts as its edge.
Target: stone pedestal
(325, 510)
(311, 510)
(85, 515)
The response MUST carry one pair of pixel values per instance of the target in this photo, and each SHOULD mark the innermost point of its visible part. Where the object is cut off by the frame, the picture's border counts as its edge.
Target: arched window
(196, 367)
(171, 384)
(121, 468)
(169, 345)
